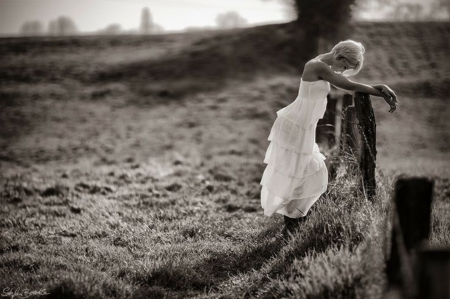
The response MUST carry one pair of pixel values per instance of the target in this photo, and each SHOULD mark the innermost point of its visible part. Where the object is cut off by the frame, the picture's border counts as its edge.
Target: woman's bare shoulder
(314, 63)
(311, 68)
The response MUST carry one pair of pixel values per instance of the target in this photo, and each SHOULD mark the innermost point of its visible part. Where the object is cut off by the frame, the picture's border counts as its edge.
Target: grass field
(130, 166)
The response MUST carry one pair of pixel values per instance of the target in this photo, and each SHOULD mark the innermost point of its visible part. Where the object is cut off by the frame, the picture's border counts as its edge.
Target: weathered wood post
(347, 139)
(326, 125)
(411, 227)
(332, 118)
(347, 101)
(358, 138)
(367, 126)
(433, 273)
(350, 133)
(325, 132)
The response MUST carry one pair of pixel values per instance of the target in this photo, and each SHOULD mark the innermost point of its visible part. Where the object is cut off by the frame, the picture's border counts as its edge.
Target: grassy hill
(130, 166)
(171, 65)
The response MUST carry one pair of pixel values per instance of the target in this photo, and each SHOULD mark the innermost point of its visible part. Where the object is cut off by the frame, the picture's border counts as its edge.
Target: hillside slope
(180, 64)
(410, 56)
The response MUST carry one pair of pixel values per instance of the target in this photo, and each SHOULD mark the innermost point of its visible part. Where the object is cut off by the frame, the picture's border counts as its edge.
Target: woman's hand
(389, 96)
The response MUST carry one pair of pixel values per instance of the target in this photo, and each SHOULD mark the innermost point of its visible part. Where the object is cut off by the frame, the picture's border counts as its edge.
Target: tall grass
(182, 244)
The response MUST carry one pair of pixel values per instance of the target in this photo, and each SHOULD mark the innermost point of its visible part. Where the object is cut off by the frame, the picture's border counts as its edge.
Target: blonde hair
(352, 52)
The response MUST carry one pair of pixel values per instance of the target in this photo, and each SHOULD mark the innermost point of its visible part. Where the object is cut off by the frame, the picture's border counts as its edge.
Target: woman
(296, 175)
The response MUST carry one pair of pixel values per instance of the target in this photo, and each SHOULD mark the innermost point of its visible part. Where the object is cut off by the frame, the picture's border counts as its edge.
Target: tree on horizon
(62, 26)
(323, 23)
(112, 29)
(146, 21)
(148, 26)
(32, 28)
(230, 19)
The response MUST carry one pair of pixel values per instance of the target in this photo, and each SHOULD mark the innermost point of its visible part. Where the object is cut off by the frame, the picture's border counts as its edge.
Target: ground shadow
(215, 269)
(209, 274)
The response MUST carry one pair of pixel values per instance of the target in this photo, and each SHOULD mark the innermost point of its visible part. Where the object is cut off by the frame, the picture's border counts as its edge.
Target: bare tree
(32, 28)
(66, 26)
(52, 28)
(146, 21)
(148, 26)
(408, 12)
(230, 20)
(402, 10)
(440, 10)
(322, 23)
(62, 26)
(112, 29)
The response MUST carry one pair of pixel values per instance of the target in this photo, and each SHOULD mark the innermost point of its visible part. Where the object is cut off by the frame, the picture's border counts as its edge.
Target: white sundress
(296, 174)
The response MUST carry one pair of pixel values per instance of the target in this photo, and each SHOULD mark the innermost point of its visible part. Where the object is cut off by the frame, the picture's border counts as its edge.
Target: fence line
(357, 136)
(414, 269)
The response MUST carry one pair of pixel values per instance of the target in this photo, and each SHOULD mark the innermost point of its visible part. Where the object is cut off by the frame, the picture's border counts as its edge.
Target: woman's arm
(386, 90)
(323, 71)
(381, 87)
(346, 90)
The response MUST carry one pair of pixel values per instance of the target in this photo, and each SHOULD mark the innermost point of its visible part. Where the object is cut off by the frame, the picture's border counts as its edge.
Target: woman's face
(339, 65)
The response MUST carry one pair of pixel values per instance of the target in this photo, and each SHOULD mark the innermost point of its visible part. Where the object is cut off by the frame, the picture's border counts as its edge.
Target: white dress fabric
(296, 174)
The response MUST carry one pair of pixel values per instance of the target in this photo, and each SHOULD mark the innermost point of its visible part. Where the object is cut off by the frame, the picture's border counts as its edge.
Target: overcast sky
(91, 15)
(172, 15)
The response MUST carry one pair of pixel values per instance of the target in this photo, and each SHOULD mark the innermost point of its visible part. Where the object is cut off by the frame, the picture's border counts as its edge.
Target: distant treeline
(60, 27)
(64, 25)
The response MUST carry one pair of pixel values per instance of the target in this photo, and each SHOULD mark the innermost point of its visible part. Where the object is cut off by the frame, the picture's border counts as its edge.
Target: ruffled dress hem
(294, 208)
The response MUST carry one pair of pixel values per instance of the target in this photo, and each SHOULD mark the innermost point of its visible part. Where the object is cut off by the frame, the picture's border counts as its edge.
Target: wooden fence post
(326, 126)
(331, 106)
(411, 227)
(350, 140)
(367, 125)
(347, 101)
(348, 137)
(358, 138)
(433, 273)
